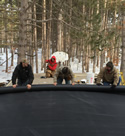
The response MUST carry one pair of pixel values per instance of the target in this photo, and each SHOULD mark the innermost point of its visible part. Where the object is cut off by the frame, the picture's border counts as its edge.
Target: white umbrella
(60, 56)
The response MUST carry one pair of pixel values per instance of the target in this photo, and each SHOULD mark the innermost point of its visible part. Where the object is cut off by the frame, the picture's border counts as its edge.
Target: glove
(113, 86)
(99, 84)
(69, 77)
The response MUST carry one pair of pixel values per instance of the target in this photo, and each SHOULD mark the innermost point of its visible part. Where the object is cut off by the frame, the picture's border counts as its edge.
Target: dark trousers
(60, 80)
(20, 83)
(107, 83)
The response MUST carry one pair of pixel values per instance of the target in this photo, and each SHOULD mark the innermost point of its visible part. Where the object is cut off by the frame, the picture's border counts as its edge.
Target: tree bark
(59, 32)
(123, 45)
(94, 61)
(29, 42)
(49, 38)
(5, 26)
(43, 65)
(22, 31)
(35, 39)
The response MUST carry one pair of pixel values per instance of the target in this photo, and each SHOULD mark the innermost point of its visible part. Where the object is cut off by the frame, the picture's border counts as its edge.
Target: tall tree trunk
(113, 40)
(43, 65)
(94, 61)
(54, 36)
(102, 59)
(98, 57)
(35, 39)
(0, 50)
(72, 52)
(29, 37)
(87, 58)
(22, 30)
(123, 44)
(62, 37)
(69, 40)
(6, 37)
(12, 49)
(49, 39)
(97, 52)
(59, 31)
(83, 57)
(118, 52)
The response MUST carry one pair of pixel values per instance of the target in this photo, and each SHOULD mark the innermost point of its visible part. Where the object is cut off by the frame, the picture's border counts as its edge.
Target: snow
(3, 75)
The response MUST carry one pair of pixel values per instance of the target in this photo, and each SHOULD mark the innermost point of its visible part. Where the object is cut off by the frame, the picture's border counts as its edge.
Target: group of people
(24, 75)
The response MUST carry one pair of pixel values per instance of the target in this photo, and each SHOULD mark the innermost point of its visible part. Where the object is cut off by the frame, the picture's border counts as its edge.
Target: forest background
(89, 30)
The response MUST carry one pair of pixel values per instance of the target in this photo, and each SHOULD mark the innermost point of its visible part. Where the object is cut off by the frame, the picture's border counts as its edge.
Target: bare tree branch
(31, 4)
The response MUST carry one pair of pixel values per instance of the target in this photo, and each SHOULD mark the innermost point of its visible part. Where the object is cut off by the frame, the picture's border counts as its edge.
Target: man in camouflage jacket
(63, 72)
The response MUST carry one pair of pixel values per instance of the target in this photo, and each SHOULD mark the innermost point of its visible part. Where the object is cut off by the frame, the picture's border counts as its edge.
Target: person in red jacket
(51, 67)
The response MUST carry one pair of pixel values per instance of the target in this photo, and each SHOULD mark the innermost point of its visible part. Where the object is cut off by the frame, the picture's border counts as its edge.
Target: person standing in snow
(109, 76)
(51, 67)
(23, 72)
(63, 72)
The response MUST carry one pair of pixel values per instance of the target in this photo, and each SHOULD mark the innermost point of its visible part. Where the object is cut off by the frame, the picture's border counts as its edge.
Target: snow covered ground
(75, 66)
(3, 75)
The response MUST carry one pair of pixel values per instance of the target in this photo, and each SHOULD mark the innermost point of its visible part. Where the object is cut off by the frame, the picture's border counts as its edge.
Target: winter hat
(65, 70)
(24, 60)
(110, 64)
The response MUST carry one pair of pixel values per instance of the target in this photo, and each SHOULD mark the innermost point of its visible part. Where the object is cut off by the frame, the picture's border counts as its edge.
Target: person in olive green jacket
(63, 72)
(109, 76)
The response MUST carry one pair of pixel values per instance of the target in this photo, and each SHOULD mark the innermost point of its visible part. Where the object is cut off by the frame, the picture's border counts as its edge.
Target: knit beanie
(110, 64)
(65, 70)
(24, 60)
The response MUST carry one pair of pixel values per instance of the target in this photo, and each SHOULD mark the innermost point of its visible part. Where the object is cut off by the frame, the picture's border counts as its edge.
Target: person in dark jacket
(109, 75)
(51, 67)
(23, 72)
